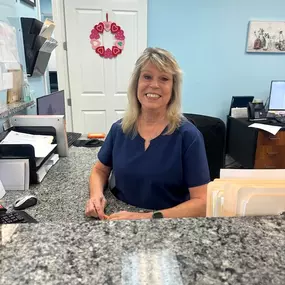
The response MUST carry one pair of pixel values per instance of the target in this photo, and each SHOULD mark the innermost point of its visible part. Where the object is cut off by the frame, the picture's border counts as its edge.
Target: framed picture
(30, 2)
(266, 37)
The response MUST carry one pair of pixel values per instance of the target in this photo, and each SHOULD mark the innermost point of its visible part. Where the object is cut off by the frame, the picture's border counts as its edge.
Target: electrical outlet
(7, 125)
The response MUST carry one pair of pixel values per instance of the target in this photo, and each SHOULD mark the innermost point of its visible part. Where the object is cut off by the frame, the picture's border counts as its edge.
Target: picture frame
(31, 3)
(266, 37)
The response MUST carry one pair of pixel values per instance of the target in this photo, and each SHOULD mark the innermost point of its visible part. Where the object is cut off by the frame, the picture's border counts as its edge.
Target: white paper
(7, 80)
(239, 112)
(7, 54)
(23, 137)
(12, 66)
(41, 149)
(42, 144)
(49, 46)
(268, 128)
(41, 173)
(39, 161)
(261, 174)
(47, 28)
(8, 46)
(2, 190)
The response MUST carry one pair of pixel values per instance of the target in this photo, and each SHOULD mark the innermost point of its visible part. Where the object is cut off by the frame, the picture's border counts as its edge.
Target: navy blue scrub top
(159, 177)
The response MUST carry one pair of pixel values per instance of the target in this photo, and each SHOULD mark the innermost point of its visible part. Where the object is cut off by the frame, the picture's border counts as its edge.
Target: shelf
(13, 108)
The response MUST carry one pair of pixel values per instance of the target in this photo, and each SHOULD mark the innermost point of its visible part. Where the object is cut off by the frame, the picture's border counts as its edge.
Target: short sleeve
(105, 154)
(195, 164)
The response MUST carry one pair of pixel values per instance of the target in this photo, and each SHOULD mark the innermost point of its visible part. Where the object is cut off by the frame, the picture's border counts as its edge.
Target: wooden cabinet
(270, 150)
(255, 148)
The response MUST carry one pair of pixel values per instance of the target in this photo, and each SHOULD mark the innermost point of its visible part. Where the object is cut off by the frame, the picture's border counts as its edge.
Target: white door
(98, 85)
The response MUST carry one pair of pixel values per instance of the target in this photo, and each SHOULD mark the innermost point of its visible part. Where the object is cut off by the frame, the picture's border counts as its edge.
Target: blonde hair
(165, 62)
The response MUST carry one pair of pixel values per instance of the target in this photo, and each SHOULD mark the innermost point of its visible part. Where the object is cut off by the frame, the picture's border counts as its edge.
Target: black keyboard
(280, 119)
(275, 122)
(72, 137)
(17, 217)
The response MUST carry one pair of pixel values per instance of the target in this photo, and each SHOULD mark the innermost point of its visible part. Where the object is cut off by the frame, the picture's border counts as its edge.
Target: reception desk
(66, 247)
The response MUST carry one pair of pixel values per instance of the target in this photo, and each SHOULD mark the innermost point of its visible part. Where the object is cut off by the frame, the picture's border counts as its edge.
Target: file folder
(243, 197)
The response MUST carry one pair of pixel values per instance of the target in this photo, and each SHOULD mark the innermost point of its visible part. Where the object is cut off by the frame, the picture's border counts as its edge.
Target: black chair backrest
(214, 133)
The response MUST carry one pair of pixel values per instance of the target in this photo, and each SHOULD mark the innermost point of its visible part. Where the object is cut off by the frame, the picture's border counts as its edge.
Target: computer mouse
(25, 202)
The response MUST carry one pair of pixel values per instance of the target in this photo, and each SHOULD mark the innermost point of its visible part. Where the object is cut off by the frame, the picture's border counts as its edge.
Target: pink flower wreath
(119, 36)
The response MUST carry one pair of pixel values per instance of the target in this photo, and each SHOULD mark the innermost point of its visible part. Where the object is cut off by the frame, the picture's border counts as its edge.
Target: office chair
(214, 134)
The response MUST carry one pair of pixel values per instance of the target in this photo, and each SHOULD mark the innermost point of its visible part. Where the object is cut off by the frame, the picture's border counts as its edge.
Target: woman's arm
(96, 204)
(98, 178)
(196, 207)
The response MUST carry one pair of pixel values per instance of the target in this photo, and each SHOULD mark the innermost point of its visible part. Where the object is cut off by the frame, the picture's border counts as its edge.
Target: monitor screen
(277, 96)
(52, 104)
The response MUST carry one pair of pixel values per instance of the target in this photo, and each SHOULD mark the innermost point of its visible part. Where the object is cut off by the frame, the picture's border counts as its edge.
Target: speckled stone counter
(13, 108)
(68, 248)
(182, 251)
(63, 193)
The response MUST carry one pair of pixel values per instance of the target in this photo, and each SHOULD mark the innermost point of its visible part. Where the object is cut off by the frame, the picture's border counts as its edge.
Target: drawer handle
(272, 153)
(274, 138)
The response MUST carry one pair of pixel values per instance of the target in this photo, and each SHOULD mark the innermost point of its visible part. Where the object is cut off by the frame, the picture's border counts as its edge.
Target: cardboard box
(15, 94)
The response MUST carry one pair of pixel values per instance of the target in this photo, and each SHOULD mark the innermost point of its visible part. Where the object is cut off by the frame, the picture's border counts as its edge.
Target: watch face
(157, 215)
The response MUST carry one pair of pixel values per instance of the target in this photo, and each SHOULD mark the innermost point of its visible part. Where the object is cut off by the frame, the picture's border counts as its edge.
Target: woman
(157, 156)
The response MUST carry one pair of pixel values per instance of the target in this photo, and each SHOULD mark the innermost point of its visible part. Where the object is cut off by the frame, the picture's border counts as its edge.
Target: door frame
(61, 58)
(46, 74)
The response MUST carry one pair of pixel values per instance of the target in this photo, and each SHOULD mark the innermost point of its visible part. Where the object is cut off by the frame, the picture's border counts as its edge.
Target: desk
(64, 191)
(68, 248)
(254, 148)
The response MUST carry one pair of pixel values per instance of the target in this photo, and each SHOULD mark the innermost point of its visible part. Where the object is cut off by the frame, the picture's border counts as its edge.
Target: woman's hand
(124, 215)
(95, 207)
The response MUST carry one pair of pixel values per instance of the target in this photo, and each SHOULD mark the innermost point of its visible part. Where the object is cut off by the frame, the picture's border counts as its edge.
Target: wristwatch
(157, 215)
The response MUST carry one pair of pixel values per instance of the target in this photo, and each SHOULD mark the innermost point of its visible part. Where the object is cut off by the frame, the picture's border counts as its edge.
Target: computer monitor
(277, 96)
(52, 104)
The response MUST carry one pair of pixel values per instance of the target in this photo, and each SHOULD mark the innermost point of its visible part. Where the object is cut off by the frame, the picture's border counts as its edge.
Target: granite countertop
(63, 193)
(68, 248)
(216, 251)
(13, 108)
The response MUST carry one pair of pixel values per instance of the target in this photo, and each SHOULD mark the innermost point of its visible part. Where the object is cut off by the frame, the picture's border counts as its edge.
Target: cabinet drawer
(265, 138)
(270, 156)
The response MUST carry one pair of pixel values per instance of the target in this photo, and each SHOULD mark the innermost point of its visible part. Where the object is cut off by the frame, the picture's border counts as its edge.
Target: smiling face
(154, 88)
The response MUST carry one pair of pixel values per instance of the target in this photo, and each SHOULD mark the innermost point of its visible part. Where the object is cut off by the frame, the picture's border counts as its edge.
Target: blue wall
(46, 7)
(10, 12)
(208, 38)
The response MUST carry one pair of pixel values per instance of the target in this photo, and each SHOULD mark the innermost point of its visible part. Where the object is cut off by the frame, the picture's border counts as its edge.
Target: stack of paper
(41, 173)
(47, 29)
(247, 193)
(42, 144)
(46, 32)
